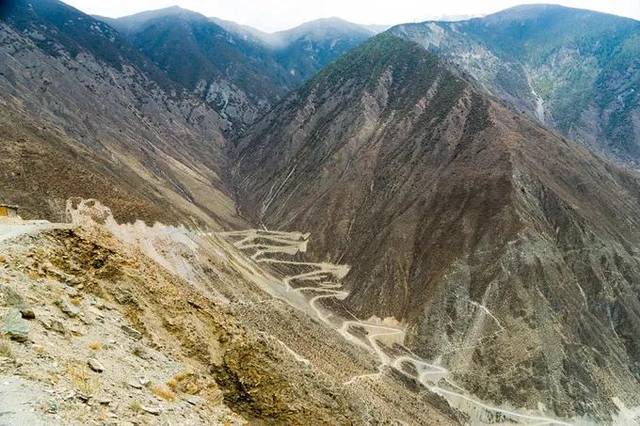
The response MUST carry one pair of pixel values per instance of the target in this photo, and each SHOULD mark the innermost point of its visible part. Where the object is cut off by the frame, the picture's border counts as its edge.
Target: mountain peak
(132, 23)
(442, 199)
(526, 12)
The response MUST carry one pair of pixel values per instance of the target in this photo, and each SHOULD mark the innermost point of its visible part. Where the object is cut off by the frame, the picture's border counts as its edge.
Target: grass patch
(5, 351)
(95, 346)
(184, 382)
(135, 406)
(82, 379)
(163, 392)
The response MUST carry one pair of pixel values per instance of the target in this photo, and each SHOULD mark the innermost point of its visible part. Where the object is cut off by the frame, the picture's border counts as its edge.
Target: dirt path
(324, 278)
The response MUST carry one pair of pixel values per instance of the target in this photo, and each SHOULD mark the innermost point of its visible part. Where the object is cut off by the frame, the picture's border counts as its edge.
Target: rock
(151, 410)
(11, 297)
(53, 407)
(28, 314)
(95, 365)
(131, 332)
(134, 384)
(125, 298)
(67, 308)
(82, 397)
(64, 278)
(57, 326)
(39, 349)
(15, 327)
(104, 401)
(140, 352)
(194, 400)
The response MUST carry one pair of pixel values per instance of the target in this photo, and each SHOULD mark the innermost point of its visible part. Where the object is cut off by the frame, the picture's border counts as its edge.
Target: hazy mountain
(236, 76)
(86, 114)
(305, 49)
(575, 70)
(239, 71)
(510, 253)
(245, 31)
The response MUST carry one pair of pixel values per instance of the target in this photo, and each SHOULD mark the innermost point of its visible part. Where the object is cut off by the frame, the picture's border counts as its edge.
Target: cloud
(272, 15)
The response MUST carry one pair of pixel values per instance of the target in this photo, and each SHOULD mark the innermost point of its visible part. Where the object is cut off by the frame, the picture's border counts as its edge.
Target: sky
(274, 15)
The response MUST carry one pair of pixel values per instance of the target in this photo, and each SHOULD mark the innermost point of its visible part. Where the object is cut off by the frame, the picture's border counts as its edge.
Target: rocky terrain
(491, 239)
(238, 71)
(574, 70)
(84, 114)
(121, 324)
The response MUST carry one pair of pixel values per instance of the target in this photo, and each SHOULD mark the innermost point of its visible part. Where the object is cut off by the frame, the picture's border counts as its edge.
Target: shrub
(163, 392)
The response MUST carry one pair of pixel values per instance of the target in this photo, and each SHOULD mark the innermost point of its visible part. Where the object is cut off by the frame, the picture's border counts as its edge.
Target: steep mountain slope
(237, 77)
(85, 114)
(509, 253)
(575, 70)
(239, 71)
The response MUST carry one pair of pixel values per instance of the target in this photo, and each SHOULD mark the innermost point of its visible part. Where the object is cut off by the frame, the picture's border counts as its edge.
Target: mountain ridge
(446, 204)
(238, 71)
(572, 69)
(86, 114)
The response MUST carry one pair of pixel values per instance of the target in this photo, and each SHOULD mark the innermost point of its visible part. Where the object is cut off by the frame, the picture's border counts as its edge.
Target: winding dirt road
(322, 281)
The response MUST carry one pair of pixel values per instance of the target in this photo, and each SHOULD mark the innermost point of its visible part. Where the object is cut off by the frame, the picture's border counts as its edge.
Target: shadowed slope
(85, 114)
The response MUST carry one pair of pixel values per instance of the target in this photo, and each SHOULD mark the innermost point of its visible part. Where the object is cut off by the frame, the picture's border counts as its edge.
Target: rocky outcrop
(172, 323)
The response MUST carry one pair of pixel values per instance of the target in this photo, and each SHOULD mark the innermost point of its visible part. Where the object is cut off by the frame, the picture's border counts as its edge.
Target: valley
(431, 223)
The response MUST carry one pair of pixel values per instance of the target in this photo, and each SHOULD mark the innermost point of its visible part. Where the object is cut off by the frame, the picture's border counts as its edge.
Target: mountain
(509, 253)
(239, 71)
(146, 322)
(237, 77)
(574, 70)
(84, 113)
(307, 48)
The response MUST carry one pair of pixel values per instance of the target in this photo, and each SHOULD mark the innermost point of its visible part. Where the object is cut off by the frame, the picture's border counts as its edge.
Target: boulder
(14, 326)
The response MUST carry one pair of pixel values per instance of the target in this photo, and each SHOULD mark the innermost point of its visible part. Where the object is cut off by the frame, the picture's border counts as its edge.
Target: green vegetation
(578, 61)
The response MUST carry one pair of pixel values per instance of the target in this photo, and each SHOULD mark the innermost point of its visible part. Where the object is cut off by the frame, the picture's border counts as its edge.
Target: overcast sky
(273, 15)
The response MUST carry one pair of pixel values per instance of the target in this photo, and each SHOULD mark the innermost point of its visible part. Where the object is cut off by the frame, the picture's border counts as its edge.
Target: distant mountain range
(239, 71)
(572, 69)
(577, 71)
